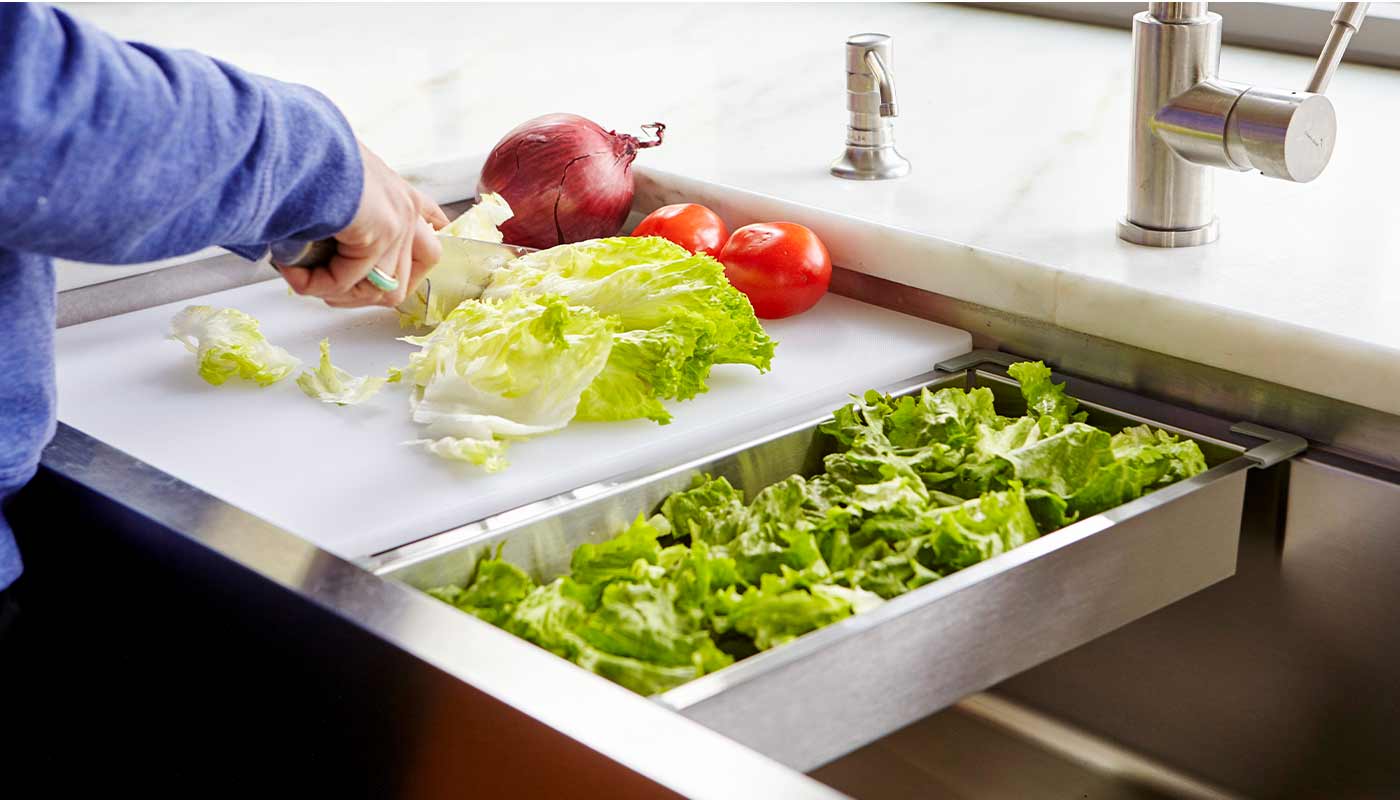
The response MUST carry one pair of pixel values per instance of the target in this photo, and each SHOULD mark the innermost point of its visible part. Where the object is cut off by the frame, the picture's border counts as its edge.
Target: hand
(392, 230)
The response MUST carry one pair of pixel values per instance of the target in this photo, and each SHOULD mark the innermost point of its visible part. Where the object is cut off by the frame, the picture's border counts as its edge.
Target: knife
(466, 263)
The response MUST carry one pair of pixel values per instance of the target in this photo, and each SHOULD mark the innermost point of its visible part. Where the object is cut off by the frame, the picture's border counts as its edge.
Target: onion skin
(566, 178)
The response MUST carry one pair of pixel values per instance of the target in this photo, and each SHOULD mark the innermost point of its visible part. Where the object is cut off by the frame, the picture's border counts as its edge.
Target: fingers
(352, 263)
(430, 211)
(403, 271)
(427, 251)
(296, 277)
(361, 295)
(426, 246)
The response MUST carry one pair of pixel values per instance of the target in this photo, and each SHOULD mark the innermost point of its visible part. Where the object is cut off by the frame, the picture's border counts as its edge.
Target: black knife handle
(307, 255)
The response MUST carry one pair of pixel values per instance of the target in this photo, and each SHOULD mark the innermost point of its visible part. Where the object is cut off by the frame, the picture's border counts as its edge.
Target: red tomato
(782, 266)
(692, 226)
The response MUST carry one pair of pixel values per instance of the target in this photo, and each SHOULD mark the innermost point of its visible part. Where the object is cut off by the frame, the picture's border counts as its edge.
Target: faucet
(870, 153)
(1186, 120)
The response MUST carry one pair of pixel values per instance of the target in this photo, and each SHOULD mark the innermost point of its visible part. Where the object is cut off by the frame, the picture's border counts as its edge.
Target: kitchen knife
(466, 263)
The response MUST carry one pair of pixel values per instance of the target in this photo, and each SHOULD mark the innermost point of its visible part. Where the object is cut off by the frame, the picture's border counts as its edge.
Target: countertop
(1017, 128)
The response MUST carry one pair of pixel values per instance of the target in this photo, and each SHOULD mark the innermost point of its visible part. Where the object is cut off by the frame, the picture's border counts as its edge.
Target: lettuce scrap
(331, 384)
(915, 488)
(227, 344)
(489, 454)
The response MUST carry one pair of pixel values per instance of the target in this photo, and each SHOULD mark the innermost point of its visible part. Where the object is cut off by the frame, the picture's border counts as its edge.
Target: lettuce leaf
(617, 557)
(709, 578)
(494, 592)
(646, 282)
(506, 369)
(1044, 398)
(228, 344)
(710, 511)
(779, 609)
(646, 367)
(641, 621)
(331, 384)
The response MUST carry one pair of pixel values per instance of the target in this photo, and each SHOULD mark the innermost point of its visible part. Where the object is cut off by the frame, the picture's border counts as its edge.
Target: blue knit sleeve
(116, 152)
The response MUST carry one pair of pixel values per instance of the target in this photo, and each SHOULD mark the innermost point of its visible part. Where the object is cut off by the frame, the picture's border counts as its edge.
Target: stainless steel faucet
(1186, 120)
(870, 153)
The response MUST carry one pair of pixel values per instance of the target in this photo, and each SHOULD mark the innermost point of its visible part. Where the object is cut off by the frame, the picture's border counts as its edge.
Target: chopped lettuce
(489, 454)
(916, 488)
(331, 384)
(227, 344)
(494, 593)
(495, 370)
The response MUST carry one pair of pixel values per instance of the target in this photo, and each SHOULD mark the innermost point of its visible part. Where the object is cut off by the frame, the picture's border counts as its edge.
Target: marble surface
(1016, 127)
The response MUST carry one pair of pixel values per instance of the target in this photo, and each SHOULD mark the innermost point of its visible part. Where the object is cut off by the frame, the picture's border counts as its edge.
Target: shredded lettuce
(331, 384)
(916, 488)
(228, 344)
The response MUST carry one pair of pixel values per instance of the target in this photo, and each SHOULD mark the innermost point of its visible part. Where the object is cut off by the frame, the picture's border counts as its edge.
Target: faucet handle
(1345, 22)
(1283, 134)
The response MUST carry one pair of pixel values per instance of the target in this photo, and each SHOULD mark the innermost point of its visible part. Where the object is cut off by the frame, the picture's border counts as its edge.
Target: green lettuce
(496, 370)
(494, 592)
(228, 344)
(670, 316)
(646, 282)
(1044, 398)
(914, 489)
(331, 384)
(646, 367)
(710, 511)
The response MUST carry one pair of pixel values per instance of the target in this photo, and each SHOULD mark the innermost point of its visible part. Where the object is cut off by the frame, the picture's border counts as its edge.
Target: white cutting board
(342, 478)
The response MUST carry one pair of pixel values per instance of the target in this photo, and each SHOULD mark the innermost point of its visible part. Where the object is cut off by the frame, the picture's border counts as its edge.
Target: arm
(117, 153)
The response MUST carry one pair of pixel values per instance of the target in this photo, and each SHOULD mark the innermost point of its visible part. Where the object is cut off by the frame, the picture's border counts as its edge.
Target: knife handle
(307, 255)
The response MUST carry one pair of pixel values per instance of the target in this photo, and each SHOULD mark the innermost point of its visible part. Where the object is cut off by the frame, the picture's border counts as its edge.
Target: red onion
(565, 178)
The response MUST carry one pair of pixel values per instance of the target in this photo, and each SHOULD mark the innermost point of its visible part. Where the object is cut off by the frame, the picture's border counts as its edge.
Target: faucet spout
(885, 81)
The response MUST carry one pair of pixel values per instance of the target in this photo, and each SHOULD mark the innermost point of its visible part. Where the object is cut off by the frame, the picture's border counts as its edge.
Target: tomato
(692, 226)
(782, 266)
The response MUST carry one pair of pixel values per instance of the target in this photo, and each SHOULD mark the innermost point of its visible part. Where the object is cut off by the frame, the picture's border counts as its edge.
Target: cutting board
(342, 478)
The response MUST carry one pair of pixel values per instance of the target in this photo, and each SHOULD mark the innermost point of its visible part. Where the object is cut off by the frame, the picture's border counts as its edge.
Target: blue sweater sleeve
(116, 152)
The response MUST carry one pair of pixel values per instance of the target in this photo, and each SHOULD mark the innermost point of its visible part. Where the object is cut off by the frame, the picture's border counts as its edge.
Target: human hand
(392, 230)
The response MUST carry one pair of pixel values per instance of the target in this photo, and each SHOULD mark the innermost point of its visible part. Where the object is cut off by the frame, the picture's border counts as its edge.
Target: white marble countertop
(1016, 127)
